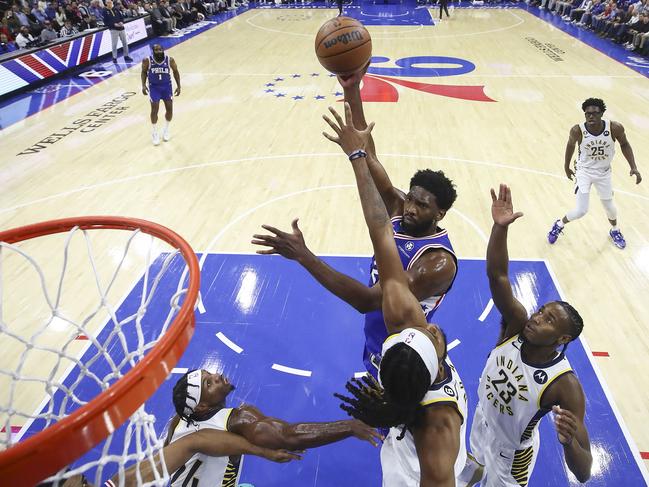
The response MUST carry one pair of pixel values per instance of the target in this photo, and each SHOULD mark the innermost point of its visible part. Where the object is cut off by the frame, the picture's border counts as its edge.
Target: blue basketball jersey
(410, 249)
(159, 73)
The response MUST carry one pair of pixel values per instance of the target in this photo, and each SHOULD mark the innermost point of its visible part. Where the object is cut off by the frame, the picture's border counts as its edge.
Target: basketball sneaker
(553, 234)
(618, 239)
(156, 138)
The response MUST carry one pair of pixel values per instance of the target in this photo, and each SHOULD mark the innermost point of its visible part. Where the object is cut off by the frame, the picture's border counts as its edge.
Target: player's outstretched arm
(437, 441)
(400, 307)
(513, 312)
(144, 74)
(573, 139)
(209, 442)
(292, 246)
(618, 132)
(392, 197)
(274, 433)
(569, 423)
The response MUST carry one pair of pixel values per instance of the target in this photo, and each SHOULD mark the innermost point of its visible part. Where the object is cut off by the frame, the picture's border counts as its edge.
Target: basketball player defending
(425, 249)
(525, 376)
(155, 69)
(595, 139)
(199, 399)
(420, 397)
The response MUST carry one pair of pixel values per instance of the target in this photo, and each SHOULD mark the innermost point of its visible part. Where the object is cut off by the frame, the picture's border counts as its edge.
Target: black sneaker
(128, 59)
(115, 60)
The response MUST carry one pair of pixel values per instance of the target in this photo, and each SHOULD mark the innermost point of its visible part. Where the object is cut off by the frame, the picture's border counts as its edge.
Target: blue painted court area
(278, 315)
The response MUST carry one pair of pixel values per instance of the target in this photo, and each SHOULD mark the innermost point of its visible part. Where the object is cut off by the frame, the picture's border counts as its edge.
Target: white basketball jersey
(596, 151)
(399, 459)
(510, 392)
(210, 469)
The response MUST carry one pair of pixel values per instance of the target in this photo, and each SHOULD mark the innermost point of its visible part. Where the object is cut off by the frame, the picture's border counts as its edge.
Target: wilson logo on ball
(344, 38)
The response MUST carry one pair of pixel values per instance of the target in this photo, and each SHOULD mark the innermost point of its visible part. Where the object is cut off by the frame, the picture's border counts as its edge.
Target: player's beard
(159, 57)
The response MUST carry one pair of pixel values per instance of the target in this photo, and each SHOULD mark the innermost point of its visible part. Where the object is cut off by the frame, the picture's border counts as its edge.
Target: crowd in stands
(31, 23)
(625, 22)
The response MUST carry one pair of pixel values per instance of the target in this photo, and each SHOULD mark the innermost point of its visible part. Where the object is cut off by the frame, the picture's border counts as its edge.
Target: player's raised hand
(289, 245)
(352, 80)
(565, 423)
(502, 208)
(636, 173)
(349, 138)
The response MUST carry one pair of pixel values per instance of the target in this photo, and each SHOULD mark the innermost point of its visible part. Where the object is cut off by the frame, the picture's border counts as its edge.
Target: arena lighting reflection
(526, 290)
(246, 296)
(641, 259)
(601, 463)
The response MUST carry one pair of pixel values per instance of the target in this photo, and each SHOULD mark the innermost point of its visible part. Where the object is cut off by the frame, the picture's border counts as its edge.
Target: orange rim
(45, 453)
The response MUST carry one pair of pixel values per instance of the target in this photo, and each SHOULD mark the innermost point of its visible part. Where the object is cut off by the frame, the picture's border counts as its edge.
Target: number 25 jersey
(596, 151)
(511, 391)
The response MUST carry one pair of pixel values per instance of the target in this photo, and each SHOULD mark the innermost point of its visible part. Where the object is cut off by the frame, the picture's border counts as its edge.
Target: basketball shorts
(160, 92)
(603, 183)
(503, 466)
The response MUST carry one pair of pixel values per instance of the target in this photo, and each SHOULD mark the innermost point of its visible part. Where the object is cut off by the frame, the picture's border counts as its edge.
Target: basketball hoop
(71, 435)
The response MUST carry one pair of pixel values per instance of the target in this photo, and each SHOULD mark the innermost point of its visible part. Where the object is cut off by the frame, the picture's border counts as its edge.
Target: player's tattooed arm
(617, 130)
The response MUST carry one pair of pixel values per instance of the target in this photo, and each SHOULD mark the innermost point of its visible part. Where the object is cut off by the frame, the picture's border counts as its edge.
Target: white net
(78, 311)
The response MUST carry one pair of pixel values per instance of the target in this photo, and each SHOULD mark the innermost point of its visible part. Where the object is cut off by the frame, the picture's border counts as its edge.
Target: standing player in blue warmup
(156, 69)
(425, 250)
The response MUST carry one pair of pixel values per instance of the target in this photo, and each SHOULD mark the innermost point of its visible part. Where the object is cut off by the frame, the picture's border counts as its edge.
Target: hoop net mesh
(80, 334)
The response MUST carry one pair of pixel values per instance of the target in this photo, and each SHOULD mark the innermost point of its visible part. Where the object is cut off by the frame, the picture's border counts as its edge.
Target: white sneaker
(166, 136)
(156, 138)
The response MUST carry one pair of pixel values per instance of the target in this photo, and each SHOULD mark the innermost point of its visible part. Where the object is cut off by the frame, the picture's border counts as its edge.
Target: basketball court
(488, 96)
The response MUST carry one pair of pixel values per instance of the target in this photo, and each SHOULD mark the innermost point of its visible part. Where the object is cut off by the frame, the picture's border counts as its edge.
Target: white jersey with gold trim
(595, 152)
(399, 459)
(210, 469)
(510, 392)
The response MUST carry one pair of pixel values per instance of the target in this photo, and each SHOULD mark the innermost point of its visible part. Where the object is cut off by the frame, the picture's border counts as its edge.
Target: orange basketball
(343, 45)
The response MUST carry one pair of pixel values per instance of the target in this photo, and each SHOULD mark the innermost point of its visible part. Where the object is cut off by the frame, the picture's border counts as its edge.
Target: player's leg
(604, 188)
(474, 468)
(155, 106)
(169, 113)
(582, 197)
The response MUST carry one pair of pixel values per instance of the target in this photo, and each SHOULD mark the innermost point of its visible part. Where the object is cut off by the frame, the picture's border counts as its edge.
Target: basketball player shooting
(427, 449)
(155, 70)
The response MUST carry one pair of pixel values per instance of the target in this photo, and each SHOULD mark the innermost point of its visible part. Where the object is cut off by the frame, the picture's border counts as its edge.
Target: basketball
(343, 45)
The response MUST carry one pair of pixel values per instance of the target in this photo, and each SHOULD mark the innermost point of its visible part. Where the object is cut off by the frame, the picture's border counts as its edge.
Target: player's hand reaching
(349, 138)
(570, 173)
(566, 425)
(366, 433)
(502, 208)
(289, 245)
(636, 173)
(177, 92)
(352, 80)
(281, 456)
(145, 90)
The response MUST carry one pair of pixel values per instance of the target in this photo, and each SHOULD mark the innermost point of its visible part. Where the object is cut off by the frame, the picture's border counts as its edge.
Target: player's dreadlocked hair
(180, 398)
(437, 183)
(405, 380)
(594, 102)
(576, 321)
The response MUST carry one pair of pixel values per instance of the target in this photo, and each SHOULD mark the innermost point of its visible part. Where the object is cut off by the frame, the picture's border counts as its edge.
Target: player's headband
(420, 343)
(194, 381)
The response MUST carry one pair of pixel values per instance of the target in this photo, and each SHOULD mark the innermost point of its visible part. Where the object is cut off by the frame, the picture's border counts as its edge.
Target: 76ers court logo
(381, 81)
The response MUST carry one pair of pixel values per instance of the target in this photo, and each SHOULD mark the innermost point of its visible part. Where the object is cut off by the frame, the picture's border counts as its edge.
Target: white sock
(560, 223)
(615, 228)
(155, 128)
(166, 125)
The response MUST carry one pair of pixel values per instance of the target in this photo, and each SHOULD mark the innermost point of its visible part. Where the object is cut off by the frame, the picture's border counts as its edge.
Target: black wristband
(357, 154)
